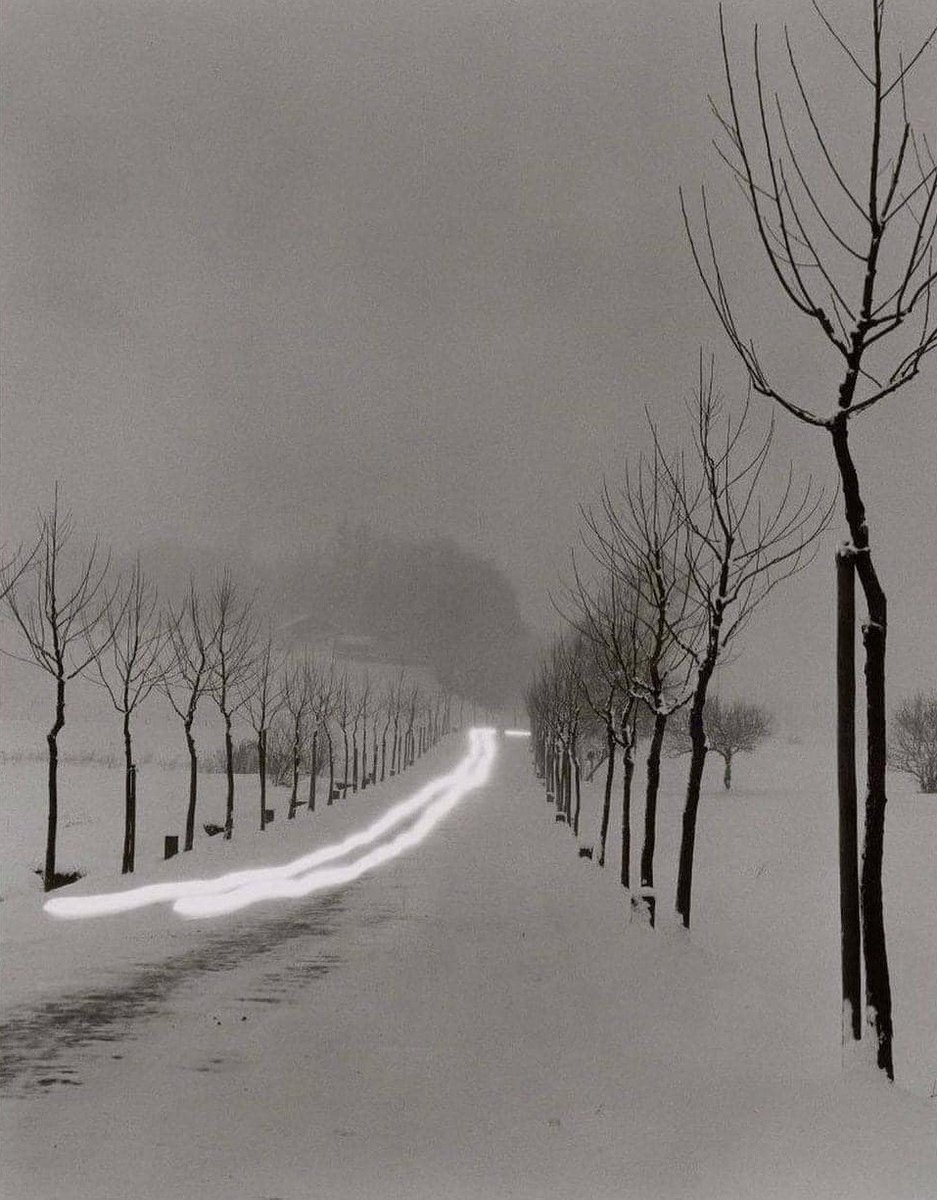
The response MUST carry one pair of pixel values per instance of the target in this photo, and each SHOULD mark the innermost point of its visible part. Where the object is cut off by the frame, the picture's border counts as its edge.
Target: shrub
(913, 743)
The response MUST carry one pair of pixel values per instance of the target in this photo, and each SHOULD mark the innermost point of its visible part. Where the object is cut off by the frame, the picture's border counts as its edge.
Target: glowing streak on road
(302, 876)
(517, 733)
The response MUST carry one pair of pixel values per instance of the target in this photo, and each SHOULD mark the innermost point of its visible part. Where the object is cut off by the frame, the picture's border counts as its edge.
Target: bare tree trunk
(877, 980)
(262, 772)
(52, 826)
(875, 955)
(345, 763)
(313, 768)
(294, 785)
(626, 815)
(328, 738)
(648, 901)
(130, 803)
(577, 776)
(850, 938)
(727, 773)
(354, 760)
(193, 787)
(607, 800)
(229, 772)
(691, 805)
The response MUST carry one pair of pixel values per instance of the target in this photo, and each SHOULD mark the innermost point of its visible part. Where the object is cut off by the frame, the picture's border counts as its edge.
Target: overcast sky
(421, 264)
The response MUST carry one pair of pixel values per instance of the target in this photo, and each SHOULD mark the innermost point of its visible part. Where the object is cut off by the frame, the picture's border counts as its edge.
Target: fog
(272, 267)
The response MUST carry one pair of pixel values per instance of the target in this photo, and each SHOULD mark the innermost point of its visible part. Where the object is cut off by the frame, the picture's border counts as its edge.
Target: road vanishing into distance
(439, 1001)
(341, 1027)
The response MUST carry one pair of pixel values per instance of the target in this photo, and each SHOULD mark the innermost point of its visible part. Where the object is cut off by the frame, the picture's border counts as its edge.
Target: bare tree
(62, 621)
(732, 727)
(344, 703)
(642, 539)
(296, 701)
(607, 618)
(235, 649)
(261, 700)
(735, 727)
(913, 746)
(411, 703)
(387, 710)
(853, 252)
(191, 648)
(321, 685)
(741, 547)
(396, 700)
(362, 696)
(130, 667)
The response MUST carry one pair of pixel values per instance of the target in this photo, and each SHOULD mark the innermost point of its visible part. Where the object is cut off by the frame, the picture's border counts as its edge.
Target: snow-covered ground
(478, 1018)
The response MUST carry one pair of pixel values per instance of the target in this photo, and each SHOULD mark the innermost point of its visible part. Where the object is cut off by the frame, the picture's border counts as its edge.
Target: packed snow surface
(480, 1019)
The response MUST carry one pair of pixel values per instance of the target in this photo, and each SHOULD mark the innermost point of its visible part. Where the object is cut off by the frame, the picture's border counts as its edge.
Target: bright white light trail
(517, 733)
(302, 876)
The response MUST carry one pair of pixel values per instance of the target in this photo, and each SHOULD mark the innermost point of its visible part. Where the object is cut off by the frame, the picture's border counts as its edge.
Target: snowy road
(452, 1025)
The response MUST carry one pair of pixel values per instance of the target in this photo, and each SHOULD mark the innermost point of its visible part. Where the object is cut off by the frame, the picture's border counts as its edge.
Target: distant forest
(419, 603)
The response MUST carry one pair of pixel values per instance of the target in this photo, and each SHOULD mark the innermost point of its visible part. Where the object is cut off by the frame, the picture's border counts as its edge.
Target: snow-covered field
(489, 1022)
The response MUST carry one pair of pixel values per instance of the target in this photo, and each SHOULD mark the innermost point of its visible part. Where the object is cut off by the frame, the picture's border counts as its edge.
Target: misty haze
(468, 647)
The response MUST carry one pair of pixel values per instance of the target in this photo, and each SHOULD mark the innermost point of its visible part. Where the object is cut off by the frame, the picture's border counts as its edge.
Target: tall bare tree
(129, 667)
(61, 618)
(850, 244)
(741, 547)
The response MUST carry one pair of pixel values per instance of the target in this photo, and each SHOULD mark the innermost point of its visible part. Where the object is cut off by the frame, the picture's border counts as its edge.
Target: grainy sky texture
(421, 264)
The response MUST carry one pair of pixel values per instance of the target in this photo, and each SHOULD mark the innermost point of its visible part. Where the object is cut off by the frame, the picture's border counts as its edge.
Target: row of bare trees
(77, 616)
(848, 239)
(680, 558)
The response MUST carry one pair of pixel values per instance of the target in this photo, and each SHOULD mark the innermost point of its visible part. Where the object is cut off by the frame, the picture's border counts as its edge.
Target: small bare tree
(63, 625)
(235, 625)
(191, 650)
(296, 700)
(321, 686)
(261, 700)
(344, 704)
(735, 727)
(607, 619)
(732, 727)
(642, 539)
(387, 711)
(913, 746)
(129, 668)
